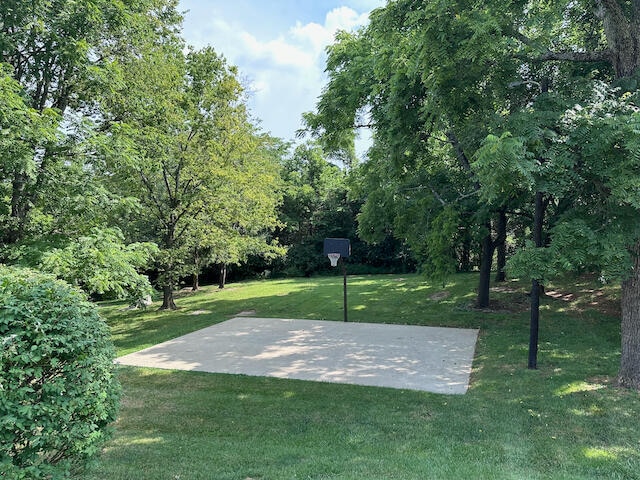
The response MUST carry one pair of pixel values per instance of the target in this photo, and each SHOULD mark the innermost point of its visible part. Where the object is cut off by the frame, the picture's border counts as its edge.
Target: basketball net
(333, 258)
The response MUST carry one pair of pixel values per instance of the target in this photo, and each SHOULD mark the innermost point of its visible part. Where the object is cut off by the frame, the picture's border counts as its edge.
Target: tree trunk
(170, 276)
(622, 37)
(622, 30)
(19, 209)
(195, 279)
(167, 302)
(223, 276)
(629, 374)
(485, 270)
(501, 246)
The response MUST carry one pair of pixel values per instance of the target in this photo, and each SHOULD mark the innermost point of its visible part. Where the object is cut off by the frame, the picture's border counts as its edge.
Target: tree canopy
(111, 125)
(491, 112)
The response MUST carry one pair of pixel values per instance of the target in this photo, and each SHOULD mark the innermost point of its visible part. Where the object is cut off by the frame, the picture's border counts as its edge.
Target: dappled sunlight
(583, 296)
(599, 454)
(562, 355)
(409, 357)
(591, 411)
(612, 453)
(144, 441)
(577, 387)
(149, 372)
(128, 441)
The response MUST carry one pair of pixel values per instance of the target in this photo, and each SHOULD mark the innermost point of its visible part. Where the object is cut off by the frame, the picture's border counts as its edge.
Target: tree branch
(597, 56)
(467, 195)
(166, 182)
(462, 157)
(549, 55)
(438, 197)
(156, 202)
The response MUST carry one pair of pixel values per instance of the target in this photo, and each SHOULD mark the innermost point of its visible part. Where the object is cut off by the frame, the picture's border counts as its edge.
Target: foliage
(511, 88)
(313, 206)
(57, 383)
(321, 201)
(101, 264)
(582, 157)
(432, 85)
(64, 56)
(22, 129)
(204, 176)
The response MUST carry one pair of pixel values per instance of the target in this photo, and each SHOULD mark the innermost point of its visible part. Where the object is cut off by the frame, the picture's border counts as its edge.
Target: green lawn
(565, 420)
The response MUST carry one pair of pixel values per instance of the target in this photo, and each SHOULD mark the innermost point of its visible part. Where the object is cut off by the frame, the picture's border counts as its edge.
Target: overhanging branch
(598, 56)
(549, 55)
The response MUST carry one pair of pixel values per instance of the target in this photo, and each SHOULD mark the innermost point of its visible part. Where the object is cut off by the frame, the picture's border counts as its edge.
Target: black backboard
(337, 245)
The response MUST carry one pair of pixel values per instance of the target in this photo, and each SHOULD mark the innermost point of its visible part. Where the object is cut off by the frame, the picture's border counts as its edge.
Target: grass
(565, 420)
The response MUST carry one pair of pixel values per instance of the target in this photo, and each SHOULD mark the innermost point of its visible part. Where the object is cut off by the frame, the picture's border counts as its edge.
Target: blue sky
(278, 46)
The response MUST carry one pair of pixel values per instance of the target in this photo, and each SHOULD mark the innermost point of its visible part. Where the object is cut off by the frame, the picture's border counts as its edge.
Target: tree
(241, 226)
(320, 201)
(194, 155)
(25, 130)
(578, 51)
(461, 71)
(101, 264)
(308, 178)
(430, 103)
(598, 42)
(63, 56)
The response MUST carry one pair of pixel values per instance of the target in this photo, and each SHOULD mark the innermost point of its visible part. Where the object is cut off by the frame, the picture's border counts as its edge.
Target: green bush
(58, 392)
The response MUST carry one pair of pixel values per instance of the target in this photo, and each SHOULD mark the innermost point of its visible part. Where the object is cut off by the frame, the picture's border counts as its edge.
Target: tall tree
(579, 51)
(598, 40)
(312, 187)
(423, 88)
(25, 130)
(63, 54)
(459, 69)
(195, 157)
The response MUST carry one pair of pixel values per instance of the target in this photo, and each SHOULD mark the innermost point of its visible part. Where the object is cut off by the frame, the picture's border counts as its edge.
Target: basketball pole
(344, 273)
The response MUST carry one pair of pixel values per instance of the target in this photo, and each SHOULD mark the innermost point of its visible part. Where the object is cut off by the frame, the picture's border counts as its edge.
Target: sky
(278, 47)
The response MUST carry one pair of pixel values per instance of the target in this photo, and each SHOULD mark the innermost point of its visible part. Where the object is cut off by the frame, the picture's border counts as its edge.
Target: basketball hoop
(334, 248)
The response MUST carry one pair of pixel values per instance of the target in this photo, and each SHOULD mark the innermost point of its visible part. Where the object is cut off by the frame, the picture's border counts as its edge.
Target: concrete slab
(430, 359)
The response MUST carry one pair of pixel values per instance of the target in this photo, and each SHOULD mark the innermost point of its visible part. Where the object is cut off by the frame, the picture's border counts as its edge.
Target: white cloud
(285, 68)
(313, 33)
(319, 36)
(288, 72)
(344, 18)
(278, 51)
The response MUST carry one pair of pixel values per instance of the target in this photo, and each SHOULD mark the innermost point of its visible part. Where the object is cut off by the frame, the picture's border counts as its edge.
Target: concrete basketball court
(430, 359)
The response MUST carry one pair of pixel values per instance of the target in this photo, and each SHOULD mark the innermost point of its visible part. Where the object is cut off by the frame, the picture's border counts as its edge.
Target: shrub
(101, 264)
(58, 392)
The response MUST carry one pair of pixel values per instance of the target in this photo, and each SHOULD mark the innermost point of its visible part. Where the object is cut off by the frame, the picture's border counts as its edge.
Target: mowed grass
(566, 420)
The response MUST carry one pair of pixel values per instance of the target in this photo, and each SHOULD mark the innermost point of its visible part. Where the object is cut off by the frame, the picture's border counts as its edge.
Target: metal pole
(344, 273)
(533, 327)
